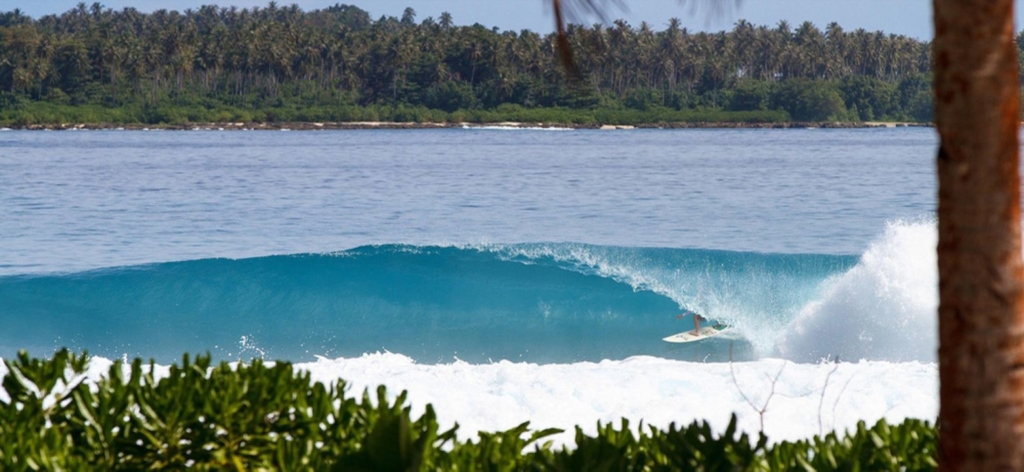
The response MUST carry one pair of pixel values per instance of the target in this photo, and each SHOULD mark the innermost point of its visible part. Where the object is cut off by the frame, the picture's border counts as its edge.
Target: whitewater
(501, 275)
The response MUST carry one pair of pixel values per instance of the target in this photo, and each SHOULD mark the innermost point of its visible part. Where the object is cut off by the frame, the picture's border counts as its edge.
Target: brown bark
(981, 302)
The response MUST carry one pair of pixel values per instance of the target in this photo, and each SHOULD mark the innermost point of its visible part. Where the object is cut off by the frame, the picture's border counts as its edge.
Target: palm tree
(836, 47)
(744, 46)
(409, 17)
(671, 51)
(981, 277)
(446, 21)
(647, 63)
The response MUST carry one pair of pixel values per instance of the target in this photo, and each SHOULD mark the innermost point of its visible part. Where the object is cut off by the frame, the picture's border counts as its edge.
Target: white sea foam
(657, 391)
(518, 128)
(883, 309)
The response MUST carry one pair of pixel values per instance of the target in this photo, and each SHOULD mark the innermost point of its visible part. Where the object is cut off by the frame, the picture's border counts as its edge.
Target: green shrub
(750, 95)
(810, 100)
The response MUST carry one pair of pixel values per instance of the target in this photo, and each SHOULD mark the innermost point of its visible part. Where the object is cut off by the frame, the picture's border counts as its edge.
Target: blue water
(536, 303)
(541, 246)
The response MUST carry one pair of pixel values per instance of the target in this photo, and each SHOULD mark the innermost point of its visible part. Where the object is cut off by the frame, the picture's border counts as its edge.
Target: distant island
(98, 67)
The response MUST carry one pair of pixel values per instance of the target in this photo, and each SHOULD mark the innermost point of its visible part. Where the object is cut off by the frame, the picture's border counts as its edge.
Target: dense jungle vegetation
(94, 64)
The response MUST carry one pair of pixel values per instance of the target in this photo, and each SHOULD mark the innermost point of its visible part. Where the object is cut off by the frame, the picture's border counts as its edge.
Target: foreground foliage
(271, 417)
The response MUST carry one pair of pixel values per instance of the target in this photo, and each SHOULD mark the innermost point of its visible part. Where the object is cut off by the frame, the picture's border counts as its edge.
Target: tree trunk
(981, 302)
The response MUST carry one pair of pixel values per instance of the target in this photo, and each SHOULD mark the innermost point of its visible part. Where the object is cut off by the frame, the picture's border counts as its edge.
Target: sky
(906, 17)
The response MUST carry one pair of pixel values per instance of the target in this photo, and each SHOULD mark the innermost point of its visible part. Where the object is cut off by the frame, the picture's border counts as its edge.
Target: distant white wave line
(501, 395)
(518, 128)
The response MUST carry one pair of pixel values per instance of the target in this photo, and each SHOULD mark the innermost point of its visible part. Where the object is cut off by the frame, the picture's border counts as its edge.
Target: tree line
(247, 61)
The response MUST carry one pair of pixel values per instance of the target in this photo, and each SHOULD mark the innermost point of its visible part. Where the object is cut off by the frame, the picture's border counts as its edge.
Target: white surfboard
(692, 336)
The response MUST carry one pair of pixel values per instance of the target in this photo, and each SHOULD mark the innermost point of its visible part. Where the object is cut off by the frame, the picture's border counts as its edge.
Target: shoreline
(364, 125)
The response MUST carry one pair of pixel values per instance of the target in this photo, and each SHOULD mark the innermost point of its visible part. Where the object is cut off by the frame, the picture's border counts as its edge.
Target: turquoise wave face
(532, 302)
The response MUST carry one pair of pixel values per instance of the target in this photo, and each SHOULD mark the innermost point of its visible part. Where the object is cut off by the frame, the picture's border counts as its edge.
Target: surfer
(697, 334)
(696, 322)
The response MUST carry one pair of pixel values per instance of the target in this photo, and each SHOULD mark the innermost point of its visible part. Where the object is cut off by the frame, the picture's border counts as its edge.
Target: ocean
(502, 274)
